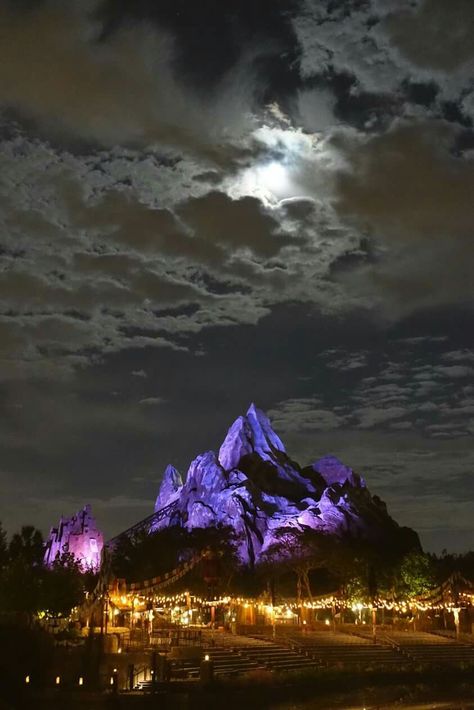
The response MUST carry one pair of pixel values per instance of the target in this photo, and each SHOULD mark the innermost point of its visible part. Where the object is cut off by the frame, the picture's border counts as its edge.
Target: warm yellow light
(27, 679)
(206, 657)
(81, 681)
(58, 680)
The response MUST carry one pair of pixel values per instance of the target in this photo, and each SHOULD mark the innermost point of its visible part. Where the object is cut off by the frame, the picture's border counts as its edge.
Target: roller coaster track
(146, 525)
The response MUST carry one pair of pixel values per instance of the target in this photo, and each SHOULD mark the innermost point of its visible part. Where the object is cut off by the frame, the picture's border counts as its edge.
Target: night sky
(205, 204)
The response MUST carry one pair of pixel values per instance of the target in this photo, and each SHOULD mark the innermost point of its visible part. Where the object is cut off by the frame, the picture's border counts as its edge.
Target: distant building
(79, 536)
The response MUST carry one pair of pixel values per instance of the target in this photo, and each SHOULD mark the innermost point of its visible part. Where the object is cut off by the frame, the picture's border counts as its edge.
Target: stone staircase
(278, 657)
(344, 650)
(236, 655)
(231, 661)
(433, 649)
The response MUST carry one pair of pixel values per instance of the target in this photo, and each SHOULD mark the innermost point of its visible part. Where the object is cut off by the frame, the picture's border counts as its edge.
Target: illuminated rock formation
(249, 434)
(78, 536)
(170, 487)
(255, 488)
(334, 471)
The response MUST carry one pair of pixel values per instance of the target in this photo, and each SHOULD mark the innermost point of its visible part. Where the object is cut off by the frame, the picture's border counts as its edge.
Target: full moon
(274, 177)
(271, 182)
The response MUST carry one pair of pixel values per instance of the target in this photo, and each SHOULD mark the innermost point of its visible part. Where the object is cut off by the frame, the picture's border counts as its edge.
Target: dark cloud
(409, 193)
(209, 42)
(435, 35)
(58, 68)
(237, 224)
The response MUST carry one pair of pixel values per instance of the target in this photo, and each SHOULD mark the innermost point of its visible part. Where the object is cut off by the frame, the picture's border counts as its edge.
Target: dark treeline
(28, 589)
(299, 564)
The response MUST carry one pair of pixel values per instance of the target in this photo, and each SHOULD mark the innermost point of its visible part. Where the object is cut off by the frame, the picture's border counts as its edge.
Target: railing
(162, 639)
(146, 524)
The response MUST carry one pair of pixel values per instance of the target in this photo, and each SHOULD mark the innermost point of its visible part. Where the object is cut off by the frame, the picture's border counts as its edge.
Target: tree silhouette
(27, 545)
(301, 551)
(3, 548)
(62, 586)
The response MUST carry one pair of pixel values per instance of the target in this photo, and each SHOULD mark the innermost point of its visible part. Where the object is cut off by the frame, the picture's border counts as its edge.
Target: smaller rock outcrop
(334, 471)
(78, 536)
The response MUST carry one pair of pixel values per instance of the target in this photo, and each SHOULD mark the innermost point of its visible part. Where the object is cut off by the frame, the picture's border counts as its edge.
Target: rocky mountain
(78, 536)
(253, 486)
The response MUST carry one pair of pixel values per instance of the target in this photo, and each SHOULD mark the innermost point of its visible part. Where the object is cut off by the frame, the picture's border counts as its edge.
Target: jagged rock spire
(170, 487)
(78, 536)
(249, 434)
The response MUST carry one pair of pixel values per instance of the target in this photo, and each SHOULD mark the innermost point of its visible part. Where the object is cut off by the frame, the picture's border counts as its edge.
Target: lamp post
(456, 611)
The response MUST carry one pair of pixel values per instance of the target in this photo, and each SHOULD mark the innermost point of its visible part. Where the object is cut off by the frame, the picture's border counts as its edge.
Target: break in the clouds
(174, 176)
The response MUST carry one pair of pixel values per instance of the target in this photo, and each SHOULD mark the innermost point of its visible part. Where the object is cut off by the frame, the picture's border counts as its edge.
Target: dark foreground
(443, 690)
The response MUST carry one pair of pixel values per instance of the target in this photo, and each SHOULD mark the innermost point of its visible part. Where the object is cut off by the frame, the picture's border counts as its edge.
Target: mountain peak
(251, 433)
(254, 487)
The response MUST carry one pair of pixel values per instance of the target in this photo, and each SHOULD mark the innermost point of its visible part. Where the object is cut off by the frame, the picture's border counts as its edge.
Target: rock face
(170, 487)
(254, 487)
(333, 471)
(79, 536)
(249, 434)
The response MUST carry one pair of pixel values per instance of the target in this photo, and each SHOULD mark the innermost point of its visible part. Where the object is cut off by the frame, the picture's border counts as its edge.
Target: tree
(147, 555)
(27, 545)
(62, 586)
(150, 555)
(415, 575)
(20, 586)
(221, 564)
(20, 581)
(300, 551)
(3, 548)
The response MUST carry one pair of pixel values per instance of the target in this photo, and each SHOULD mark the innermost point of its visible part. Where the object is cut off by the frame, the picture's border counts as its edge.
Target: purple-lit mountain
(253, 486)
